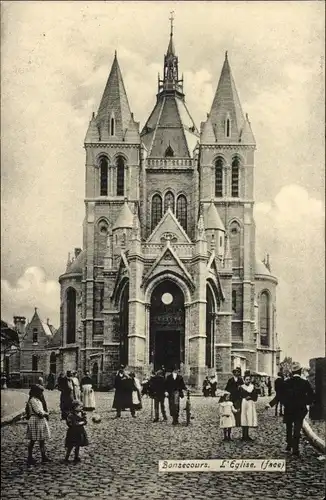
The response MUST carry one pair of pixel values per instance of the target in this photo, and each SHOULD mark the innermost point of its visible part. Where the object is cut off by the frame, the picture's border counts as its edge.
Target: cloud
(32, 289)
(291, 229)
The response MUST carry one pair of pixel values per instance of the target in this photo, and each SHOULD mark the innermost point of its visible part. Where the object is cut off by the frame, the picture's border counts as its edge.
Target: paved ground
(12, 401)
(121, 462)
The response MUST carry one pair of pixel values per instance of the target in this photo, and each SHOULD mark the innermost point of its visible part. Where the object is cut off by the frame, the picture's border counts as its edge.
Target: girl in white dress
(249, 397)
(227, 420)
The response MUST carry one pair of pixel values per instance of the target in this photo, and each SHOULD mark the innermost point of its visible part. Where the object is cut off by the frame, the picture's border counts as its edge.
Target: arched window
(235, 244)
(112, 126)
(71, 316)
(228, 127)
(104, 176)
(53, 363)
(35, 336)
(169, 152)
(219, 178)
(182, 211)
(169, 201)
(156, 210)
(120, 176)
(234, 301)
(235, 178)
(34, 363)
(264, 320)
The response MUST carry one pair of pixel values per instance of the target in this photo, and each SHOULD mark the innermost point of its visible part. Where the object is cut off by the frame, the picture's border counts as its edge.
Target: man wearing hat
(174, 387)
(296, 395)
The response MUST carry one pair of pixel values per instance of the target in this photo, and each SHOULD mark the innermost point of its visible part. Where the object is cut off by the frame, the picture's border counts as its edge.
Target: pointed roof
(170, 125)
(171, 49)
(114, 104)
(169, 224)
(212, 220)
(125, 218)
(260, 268)
(76, 266)
(226, 106)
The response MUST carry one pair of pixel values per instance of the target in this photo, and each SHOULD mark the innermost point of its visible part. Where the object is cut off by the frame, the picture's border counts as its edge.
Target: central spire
(170, 80)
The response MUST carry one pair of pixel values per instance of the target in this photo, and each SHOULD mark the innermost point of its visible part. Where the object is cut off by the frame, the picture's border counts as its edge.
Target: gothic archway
(210, 327)
(167, 326)
(124, 325)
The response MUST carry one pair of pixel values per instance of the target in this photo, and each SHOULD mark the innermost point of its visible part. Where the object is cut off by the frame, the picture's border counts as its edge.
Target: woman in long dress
(66, 396)
(136, 392)
(249, 397)
(87, 392)
(75, 380)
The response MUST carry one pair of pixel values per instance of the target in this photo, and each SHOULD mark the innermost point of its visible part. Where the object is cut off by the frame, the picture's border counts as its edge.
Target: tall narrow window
(209, 328)
(219, 178)
(169, 152)
(264, 320)
(235, 244)
(120, 176)
(71, 316)
(53, 363)
(182, 211)
(102, 299)
(112, 126)
(235, 178)
(124, 325)
(234, 301)
(156, 210)
(34, 363)
(169, 201)
(35, 336)
(228, 127)
(104, 176)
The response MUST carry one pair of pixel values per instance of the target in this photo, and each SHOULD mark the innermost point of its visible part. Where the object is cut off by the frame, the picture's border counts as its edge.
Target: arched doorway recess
(167, 326)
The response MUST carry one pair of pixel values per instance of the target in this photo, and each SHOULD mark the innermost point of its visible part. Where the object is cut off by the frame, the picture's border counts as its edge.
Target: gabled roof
(166, 261)
(125, 218)
(169, 224)
(56, 340)
(9, 334)
(170, 124)
(212, 220)
(114, 103)
(226, 105)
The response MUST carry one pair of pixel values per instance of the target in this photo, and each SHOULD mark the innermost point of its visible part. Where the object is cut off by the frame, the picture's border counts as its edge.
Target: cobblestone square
(121, 462)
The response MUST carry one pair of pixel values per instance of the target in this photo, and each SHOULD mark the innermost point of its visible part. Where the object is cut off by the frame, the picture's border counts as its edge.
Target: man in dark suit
(232, 387)
(174, 387)
(278, 386)
(296, 395)
(157, 392)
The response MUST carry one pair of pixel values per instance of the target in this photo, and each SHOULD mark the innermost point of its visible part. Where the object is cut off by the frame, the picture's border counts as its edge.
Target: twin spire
(226, 122)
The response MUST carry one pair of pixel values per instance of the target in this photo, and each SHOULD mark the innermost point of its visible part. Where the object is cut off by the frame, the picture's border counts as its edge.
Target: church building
(168, 273)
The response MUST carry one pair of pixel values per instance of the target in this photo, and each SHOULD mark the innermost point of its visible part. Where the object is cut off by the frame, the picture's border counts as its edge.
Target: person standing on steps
(157, 391)
(296, 395)
(174, 387)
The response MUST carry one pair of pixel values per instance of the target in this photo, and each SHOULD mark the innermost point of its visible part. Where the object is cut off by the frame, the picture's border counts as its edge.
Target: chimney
(77, 252)
(20, 322)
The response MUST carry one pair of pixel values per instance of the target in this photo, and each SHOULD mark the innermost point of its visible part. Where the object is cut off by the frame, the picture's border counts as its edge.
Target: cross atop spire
(170, 81)
(171, 20)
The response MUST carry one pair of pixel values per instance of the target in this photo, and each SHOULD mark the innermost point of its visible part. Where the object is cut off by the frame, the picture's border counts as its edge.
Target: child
(227, 420)
(38, 427)
(76, 434)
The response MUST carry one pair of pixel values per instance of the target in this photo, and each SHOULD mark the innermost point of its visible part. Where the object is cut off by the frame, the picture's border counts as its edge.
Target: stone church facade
(168, 272)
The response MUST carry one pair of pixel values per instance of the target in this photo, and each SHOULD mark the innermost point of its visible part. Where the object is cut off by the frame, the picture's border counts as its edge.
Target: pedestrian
(248, 414)
(40, 381)
(50, 381)
(87, 391)
(157, 391)
(175, 386)
(206, 387)
(296, 395)
(37, 427)
(123, 393)
(269, 386)
(278, 386)
(76, 436)
(263, 387)
(213, 383)
(232, 387)
(66, 396)
(136, 392)
(227, 420)
(76, 386)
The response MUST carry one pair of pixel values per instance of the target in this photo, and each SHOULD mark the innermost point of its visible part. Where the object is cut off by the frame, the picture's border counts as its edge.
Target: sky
(56, 57)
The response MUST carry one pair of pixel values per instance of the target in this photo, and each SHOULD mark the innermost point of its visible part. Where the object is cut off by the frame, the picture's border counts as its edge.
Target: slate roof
(212, 219)
(260, 268)
(76, 266)
(125, 218)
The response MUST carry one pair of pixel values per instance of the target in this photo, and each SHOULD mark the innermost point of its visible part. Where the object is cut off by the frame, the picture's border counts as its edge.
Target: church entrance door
(167, 326)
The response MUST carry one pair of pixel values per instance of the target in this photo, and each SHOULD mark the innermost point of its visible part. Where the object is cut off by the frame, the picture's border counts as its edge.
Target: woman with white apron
(249, 396)
(87, 390)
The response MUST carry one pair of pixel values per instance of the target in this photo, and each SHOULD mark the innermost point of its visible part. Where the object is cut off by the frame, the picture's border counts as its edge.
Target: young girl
(76, 434)
(38, 427)
(227, 420)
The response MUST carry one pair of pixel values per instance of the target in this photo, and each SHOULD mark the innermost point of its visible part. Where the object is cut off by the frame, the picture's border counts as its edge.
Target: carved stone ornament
(169, 237)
